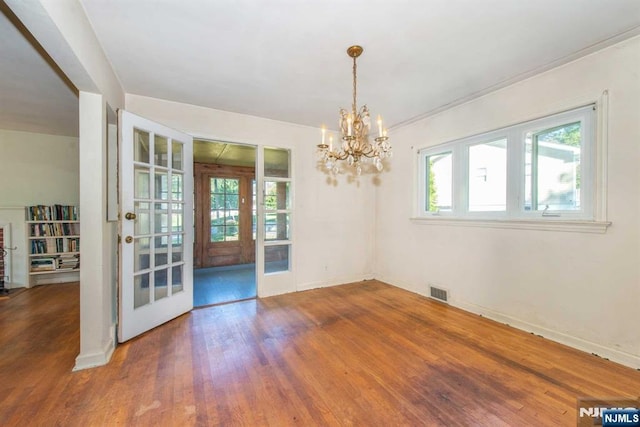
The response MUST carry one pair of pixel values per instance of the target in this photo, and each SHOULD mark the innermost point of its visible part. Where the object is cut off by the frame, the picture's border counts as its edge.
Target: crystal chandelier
(356, 148)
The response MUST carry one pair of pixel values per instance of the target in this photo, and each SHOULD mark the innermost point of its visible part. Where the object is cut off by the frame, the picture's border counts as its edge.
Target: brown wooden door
(224, 215)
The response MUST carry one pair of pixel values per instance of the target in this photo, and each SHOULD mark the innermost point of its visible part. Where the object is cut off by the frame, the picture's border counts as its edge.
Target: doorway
(225, 222)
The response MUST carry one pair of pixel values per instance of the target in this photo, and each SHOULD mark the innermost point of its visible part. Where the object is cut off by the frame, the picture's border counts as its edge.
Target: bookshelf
(53, 243)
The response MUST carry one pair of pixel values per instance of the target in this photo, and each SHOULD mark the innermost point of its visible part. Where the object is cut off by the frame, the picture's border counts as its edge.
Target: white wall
(35, 169)
(580, 289)
(333, 237)
(63, 30)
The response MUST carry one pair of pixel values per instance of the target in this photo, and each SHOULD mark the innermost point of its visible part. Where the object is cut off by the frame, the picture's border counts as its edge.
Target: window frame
(591, 185)
(288, 242)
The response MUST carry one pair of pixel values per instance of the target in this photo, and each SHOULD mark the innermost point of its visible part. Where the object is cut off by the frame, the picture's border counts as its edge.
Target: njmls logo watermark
(605, 412)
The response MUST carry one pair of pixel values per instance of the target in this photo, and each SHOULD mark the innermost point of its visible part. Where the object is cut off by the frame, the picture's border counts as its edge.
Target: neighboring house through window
(542, 169)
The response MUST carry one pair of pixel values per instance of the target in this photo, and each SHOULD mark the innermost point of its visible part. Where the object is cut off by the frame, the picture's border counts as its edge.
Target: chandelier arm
(370, 154)
(339, 156)
(367, 148)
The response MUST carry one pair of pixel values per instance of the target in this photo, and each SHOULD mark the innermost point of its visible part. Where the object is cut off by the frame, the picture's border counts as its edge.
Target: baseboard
(612, 354)
(333, 282)
(624, 358)
(93, 360)
(70, 276)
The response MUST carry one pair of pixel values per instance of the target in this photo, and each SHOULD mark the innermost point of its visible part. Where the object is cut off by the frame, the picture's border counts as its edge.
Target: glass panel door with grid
(156, 190)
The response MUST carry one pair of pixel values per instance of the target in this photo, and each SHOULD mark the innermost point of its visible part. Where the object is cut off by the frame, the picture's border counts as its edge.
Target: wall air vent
(438, 294)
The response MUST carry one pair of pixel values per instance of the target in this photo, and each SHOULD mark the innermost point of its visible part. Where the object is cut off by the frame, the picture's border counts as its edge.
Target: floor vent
(439, 294)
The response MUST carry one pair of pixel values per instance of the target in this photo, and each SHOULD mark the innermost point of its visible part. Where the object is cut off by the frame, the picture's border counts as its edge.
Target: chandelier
(356, 147)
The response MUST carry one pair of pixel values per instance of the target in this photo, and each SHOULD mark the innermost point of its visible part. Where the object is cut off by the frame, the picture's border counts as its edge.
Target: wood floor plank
(359, 354)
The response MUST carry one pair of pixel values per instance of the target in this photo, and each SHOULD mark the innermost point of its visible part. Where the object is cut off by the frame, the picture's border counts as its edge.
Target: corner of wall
(100, 358)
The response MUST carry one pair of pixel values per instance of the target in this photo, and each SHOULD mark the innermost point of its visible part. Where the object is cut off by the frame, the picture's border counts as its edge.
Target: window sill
(576, 226)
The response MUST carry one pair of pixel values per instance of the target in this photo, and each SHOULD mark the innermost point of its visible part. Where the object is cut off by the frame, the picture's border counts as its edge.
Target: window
(224, 209)
(277, 210)
(439, 180)
(539, 169)
(488, 176)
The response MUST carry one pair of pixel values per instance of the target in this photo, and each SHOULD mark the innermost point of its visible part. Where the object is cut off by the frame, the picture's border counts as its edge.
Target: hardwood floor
(358, 354)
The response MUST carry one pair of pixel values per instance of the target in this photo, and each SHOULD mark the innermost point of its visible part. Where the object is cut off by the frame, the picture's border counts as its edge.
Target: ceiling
(276, 160)
(286, 59)
(33, 96)
(223, 153)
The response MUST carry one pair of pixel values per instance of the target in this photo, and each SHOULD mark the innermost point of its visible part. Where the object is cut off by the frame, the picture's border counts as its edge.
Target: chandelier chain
(354, 106)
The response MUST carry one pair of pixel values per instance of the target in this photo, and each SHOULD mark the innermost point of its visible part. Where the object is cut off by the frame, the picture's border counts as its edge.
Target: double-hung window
(542, 169)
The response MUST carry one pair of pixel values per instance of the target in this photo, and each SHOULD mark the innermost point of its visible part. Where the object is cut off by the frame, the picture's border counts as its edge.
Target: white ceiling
(33, 97)
(286, 59)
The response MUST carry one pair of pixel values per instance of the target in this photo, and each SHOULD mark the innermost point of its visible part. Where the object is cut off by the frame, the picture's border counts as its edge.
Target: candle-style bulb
(324, 131)
(379, 125)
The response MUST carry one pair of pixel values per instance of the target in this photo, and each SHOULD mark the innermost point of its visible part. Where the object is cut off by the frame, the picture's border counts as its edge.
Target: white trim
(259, 177)
(612, 354)
(92, 360)
(577, 226)
(334, 282)
(601, 154)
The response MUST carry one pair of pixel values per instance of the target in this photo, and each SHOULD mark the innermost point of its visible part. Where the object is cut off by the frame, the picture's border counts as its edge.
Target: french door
(156, 225)
(225, 215)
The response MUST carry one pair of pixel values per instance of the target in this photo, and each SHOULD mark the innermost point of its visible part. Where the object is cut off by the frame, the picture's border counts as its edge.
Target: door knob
(130, 215)
(128, 239)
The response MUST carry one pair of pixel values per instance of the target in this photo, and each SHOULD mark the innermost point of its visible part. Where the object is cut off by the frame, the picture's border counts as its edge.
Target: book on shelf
(52, 213)
(68, 262)
(43, 264)
(55, 229)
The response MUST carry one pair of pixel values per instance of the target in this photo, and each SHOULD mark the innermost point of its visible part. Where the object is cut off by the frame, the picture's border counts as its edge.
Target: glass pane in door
(143, 220)
(276, 162)
(276, 258)
(141, 254)
(276, 226)
(277, 195)
(224, 209)
(160, 284)
(176, 217)
(176, 248)
(176, 155)
(160, 154)
(140, 146)
(142, 186)
(176, 278)
(141, 290)
(159, 201)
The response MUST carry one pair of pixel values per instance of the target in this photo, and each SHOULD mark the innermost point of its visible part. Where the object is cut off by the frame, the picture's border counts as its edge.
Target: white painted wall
(332, 229)
(35, 169)
(38, 169)
(97, 278)
(63, 30)
(580, 289)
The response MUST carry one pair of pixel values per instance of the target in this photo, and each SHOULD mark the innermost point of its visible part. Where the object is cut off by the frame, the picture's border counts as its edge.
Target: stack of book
(43, 264)
(68, 262)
